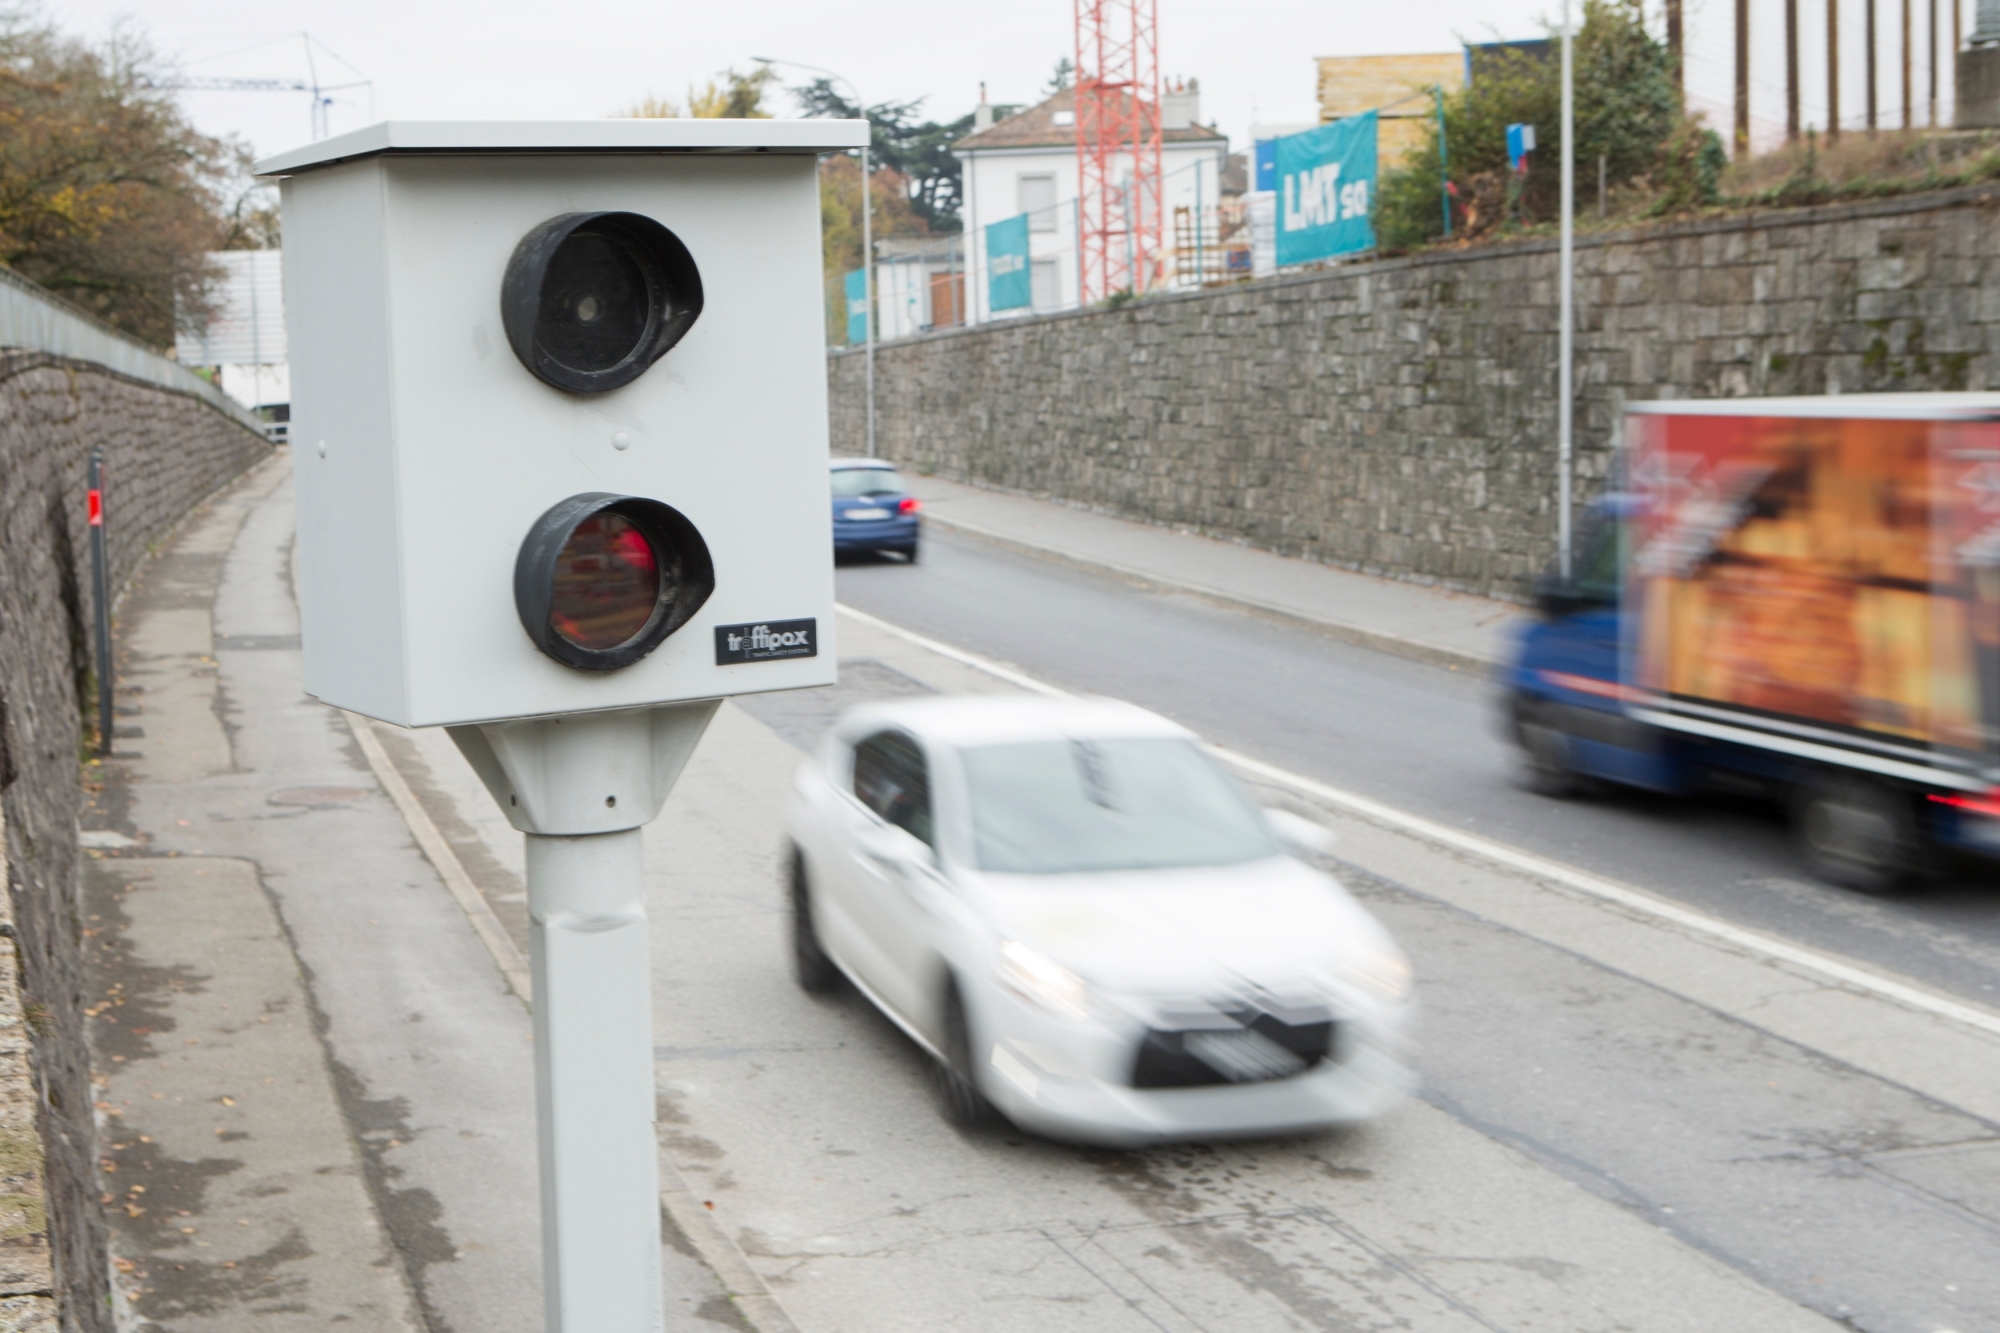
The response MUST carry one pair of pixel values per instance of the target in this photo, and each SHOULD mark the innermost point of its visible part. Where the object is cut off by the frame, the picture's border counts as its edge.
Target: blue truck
(1792, 596)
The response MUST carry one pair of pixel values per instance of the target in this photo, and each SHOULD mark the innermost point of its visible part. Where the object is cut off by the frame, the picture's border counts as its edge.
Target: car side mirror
(1299, 834)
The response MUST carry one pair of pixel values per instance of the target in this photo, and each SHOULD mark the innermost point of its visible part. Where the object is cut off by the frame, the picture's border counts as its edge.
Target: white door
(891, 876)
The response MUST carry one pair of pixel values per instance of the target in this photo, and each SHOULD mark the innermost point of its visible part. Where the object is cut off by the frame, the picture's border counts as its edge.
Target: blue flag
(1007, 284)
(1326, 190)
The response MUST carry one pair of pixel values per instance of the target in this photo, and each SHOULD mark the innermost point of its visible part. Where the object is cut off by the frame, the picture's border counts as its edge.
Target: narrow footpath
(316, 1098)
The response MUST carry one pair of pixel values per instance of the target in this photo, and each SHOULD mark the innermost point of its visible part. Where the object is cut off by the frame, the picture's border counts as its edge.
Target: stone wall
(1398, 416)
(164, 451)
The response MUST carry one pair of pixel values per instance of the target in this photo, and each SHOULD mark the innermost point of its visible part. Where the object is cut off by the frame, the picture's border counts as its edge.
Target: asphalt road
(1667, 1083)
(1420, 737)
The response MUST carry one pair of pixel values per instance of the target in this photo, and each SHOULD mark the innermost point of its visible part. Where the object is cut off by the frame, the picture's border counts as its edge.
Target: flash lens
(607, 583)
(602, 580)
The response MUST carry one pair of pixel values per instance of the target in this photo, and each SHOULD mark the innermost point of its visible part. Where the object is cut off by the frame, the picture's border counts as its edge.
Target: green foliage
(736, 97)
(918, 151)
(840, 226)
(1628, 111)
(1689, 172)
(109, 197)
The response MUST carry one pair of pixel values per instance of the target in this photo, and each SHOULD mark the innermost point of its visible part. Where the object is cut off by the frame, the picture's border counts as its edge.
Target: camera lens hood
(684, 571)
(591, 300)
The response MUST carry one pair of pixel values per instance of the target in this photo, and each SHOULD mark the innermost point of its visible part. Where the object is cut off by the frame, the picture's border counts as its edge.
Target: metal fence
(38, 321)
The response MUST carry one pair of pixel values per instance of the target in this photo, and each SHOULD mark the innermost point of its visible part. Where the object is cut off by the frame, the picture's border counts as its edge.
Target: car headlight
(1042, 981)
(1383, 970)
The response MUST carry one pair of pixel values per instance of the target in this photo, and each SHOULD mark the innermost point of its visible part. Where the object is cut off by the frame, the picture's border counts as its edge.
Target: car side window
(890, 778)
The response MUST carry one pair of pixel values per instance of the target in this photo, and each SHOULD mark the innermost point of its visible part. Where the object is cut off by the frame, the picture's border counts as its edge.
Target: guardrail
(41, 321)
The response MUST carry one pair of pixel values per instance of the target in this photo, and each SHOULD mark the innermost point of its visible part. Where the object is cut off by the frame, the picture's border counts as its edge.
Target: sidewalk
(1407, 619)
(314, 1087)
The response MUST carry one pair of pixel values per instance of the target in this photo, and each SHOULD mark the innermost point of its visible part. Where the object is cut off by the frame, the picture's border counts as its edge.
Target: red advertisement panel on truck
(1823, 576)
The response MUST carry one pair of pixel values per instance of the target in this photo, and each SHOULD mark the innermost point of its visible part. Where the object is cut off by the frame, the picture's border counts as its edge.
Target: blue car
(873, 510)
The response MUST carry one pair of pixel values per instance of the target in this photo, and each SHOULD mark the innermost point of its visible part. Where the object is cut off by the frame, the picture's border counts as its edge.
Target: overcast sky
(583, 58)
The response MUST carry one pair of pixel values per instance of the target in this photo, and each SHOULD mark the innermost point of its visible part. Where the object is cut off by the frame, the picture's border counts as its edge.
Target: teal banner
(857, 307)
(1326, 190)
(1007, 286)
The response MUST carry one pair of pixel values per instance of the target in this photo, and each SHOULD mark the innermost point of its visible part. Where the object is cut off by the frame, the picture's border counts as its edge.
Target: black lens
(596, 302)
(590, 300)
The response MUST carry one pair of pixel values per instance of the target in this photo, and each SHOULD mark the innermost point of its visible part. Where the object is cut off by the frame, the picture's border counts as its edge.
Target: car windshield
(852, 482)
(1061, 807)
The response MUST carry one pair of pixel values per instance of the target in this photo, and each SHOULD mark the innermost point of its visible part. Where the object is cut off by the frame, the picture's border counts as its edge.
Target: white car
(1089, 924)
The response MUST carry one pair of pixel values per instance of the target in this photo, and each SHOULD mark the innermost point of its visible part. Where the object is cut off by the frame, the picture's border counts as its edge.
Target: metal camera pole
(581, 787)
(1565, 375)
(100, 584)
(867, 230)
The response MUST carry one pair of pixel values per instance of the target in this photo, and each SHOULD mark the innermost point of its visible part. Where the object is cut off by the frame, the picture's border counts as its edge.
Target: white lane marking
(1527, 863)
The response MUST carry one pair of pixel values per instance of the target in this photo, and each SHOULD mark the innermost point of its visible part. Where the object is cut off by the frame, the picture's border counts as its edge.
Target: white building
(919, 284)
(1027, 163)
(245, 341)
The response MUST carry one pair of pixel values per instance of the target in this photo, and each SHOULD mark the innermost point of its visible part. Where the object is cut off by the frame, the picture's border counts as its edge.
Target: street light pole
(1565, 377)
(867, 233)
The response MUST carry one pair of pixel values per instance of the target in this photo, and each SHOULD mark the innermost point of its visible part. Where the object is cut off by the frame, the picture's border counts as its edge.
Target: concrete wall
(1398, 416)
(164, 449)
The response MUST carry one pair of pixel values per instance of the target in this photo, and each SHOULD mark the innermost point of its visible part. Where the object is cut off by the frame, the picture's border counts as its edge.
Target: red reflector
(97, 509)
(910, 505)
(1989, 804)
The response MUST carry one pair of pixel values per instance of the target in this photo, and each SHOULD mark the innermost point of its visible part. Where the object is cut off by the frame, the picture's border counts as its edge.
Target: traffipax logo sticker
(768, 641)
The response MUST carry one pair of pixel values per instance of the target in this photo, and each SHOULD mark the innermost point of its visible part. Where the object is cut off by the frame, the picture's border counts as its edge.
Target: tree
(917, 151)
(1064, 75)
(736, 97)
(1628, 110)
(840, 225)
(108, 196)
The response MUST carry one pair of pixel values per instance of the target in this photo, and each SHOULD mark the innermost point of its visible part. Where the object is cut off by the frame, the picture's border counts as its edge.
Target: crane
(322, 101)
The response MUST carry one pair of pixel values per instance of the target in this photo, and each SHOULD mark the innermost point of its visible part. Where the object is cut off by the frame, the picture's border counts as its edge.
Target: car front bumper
(1045, 1089)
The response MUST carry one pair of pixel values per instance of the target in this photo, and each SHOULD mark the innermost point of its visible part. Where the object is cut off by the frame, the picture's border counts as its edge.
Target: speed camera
(559, 414)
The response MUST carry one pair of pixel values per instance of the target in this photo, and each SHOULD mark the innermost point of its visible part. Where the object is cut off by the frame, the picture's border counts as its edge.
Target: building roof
(1036, 128)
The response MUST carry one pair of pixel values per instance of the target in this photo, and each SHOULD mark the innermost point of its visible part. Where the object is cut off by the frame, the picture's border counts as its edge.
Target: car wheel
(959, 1096)
(816, 973)
(910, 553)
(1857, 833)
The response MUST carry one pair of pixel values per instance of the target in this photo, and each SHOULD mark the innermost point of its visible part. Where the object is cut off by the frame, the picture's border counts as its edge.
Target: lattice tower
(1120, 220)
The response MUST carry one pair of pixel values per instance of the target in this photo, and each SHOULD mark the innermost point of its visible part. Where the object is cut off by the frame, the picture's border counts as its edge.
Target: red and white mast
(1120, 218)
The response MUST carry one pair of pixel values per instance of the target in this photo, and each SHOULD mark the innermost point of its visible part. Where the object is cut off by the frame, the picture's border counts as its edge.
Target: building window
(1044, 278)
(1037, 197)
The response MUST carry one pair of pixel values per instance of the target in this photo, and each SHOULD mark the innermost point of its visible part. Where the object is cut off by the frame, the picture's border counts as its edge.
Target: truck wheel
(816, 973)
(1857, 833)
(1545, 761)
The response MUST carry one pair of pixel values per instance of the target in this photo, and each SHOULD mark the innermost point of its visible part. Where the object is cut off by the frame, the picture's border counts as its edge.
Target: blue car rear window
(854, 482)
